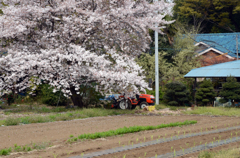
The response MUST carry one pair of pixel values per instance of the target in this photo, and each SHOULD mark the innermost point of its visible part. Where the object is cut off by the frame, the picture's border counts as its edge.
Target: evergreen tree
(176, 93)
(184, 60)
(147, 62)
(205, 94)
(216, 15)
(230, 90)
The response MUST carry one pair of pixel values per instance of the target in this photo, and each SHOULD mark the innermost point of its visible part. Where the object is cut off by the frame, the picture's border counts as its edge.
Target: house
(217, 48)
(218, 74)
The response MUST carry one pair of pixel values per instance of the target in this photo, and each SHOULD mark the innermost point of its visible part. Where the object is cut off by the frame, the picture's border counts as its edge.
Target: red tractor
(130, 103)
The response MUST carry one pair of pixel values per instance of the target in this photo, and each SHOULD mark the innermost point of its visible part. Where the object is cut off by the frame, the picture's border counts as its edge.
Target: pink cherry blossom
(69, 43)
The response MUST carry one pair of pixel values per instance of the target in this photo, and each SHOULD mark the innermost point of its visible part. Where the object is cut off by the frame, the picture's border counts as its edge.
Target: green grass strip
(78, 114)
(126, 130)
(217, 111)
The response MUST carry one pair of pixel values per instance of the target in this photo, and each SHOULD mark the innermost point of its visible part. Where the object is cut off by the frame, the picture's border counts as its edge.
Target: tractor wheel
(125, 104)
(143, 104)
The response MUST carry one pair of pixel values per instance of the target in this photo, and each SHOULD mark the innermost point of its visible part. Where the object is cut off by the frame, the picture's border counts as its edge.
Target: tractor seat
(137, 96)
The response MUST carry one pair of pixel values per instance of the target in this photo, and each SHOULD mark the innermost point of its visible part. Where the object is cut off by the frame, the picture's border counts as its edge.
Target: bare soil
(58, 133)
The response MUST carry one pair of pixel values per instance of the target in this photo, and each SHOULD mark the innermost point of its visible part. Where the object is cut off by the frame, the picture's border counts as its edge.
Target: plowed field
(58, 132)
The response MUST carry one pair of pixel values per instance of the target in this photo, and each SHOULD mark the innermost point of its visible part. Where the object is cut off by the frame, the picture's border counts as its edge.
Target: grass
(2, 122)
(78, 114)
(5, 151)
(231, 153)
(161, 106)
(36, 109)
(173, 108)
(126, 130)
(220, 111)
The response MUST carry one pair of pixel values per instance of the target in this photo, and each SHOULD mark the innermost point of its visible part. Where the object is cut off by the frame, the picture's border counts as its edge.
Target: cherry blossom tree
(69, 43)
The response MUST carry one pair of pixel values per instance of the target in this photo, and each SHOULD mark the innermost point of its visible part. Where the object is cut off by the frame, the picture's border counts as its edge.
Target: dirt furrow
(182, 144)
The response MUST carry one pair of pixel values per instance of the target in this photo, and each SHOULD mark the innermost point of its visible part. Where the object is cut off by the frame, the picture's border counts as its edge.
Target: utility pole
(156, 66)
(237, 45)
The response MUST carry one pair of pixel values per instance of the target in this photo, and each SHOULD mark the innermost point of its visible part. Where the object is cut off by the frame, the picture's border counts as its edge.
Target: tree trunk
(77, 98)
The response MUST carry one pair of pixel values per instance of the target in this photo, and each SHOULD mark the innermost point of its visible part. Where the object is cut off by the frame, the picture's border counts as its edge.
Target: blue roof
(224, 42)
(227, 69)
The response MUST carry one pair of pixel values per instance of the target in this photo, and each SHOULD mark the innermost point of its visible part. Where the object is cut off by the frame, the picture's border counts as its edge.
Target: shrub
(176, 93)
(230, 90)
(45, 91)
(89, 94)
(205, 93)
(152, 92)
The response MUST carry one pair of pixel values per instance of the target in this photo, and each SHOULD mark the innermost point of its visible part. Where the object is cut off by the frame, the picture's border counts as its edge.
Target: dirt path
(59, 132)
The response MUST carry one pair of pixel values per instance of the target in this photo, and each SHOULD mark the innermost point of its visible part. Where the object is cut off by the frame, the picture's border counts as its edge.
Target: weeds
(41, 146)
(233, 153)
(25, 148)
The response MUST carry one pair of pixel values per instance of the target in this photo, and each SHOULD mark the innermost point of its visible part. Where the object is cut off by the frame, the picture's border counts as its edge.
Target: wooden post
(194, 90)
(237, 45)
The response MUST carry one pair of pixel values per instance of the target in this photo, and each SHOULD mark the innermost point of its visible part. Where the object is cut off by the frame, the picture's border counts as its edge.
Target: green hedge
(132, 129)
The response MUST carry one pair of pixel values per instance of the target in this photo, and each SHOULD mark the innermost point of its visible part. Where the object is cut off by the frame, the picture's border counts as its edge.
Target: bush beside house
(230, 90)
(176, 94)
(205, 94)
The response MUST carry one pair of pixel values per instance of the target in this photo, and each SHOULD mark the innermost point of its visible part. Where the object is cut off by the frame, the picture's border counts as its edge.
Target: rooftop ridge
(218, 34)
(215, 65)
